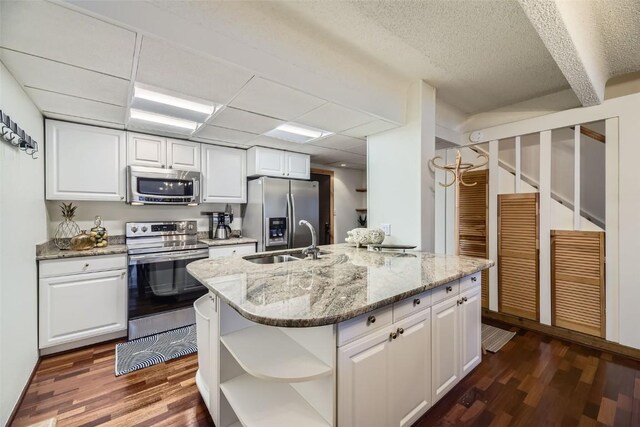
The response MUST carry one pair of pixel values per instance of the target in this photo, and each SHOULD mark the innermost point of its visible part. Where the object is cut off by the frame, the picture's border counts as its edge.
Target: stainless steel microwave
(159, 186)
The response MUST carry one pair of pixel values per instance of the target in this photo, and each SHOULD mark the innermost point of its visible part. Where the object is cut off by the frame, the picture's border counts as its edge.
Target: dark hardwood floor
(533, 381)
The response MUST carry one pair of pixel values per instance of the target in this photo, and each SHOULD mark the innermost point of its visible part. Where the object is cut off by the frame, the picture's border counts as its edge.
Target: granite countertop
(342, 284)
(49, 251)
(230, 241)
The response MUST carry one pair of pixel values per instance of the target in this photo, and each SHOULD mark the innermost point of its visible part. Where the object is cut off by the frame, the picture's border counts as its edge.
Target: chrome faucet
(312, 250)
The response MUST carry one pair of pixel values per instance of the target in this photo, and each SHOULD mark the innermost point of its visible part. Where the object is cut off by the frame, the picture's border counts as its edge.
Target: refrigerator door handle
(293, 221)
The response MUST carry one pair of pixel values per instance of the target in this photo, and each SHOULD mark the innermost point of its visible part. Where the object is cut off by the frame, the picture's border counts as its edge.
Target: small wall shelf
(361, 190)
(280, 358)
(269, 404)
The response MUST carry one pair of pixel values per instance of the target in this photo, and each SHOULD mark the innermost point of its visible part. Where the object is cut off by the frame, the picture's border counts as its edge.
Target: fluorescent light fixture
(344, 165)
(295, 132)
(173, 101)
(163, 120)
(192, 204)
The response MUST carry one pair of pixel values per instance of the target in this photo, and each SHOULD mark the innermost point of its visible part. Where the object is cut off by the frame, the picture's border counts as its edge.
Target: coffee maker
(219, 225)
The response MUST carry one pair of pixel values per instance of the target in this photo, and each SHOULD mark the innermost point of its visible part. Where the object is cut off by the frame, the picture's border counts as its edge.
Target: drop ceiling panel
(76, 107)
(233, 118)
(339, 142)
(272, 99)
(54, 32)
(223, 134)
(334, 118)
(166, 66)
(36, 72)
(279, 144)
(370, 128)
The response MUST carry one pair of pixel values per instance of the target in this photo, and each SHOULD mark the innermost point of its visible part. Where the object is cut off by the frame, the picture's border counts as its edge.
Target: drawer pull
(459, 302)
(474, 279)
(464, 299)
(416, 301)
(400, 331)
(449, 289)
(393, 335)
(85, 266)
(371, 319)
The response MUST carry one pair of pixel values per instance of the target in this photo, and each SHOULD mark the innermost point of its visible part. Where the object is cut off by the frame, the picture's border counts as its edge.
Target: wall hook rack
(16, 136)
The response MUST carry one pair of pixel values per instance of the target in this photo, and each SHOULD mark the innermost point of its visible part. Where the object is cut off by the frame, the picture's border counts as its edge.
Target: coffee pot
(223, 231)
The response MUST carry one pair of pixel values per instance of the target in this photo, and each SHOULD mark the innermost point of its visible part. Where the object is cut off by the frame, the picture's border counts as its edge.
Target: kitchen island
(353, 338)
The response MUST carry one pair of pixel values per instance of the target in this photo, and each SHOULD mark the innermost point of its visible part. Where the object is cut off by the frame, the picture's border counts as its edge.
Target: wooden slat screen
(518, 277)
(577, 281)
(472, 222)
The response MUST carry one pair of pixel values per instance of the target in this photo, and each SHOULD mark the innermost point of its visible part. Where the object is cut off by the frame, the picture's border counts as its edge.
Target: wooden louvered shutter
(577, 281)
(472, 222)
(518, 277)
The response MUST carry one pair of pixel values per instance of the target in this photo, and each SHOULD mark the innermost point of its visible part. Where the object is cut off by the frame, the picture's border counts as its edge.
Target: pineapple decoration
(67, 228)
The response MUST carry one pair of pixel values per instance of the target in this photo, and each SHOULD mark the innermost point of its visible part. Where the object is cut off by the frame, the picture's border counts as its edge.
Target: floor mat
(154, 349)
(493, 339)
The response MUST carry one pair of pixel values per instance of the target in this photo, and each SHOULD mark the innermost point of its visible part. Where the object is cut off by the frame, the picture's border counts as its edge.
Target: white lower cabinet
(384, 379)
(207, 331)
(79, 306)
(446, 346)
(229, 250)
(471, 330)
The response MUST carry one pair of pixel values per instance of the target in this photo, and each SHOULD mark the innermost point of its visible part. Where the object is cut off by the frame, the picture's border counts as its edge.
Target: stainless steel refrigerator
(274, 208)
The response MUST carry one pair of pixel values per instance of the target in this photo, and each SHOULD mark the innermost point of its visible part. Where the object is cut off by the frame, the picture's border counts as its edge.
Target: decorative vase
(82, 241)
(67, 228)
(99, 233)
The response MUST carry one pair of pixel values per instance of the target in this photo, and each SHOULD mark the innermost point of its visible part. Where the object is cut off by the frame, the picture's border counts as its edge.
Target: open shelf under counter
(270, 354)
(262, 403)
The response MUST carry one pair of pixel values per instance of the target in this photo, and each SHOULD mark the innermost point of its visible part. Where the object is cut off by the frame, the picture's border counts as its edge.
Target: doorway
(325, 205)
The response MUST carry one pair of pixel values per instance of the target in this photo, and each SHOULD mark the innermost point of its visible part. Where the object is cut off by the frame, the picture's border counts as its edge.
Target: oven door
(160, 282)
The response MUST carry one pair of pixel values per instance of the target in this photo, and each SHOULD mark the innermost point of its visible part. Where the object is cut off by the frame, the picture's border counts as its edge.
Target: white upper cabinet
(297, 166)
(269, 162)
(84, 162)
(146, 150)
(224, 174)
(183, 155)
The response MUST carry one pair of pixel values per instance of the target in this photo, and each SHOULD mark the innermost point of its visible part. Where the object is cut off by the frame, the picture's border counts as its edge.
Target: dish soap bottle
(99, 233)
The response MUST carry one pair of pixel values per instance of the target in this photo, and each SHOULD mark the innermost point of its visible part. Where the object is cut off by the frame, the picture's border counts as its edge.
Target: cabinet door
(207, 330)
(183, 155)
(410, 380)
(297, 166)
(224, 175)
(363, 381)
(82, 306)
(84, 162)
(268, 162)
(146, 150)
(445, 345)
(470, 322)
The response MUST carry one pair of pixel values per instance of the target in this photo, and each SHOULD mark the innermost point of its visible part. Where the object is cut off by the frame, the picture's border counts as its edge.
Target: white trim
(494, 186)
(577, 217)
(612, 284)
(545, 228)
(518, 172)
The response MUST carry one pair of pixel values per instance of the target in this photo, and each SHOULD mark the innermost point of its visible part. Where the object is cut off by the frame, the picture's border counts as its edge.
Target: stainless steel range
(161, 292)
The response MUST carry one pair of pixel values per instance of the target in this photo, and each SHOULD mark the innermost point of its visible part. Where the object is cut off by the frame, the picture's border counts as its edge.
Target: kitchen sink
(276, 259)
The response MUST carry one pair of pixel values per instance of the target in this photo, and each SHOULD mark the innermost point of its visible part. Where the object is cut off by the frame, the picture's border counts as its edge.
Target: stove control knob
(190, 226)
(144, 229)
(181, 226)
(134, 229)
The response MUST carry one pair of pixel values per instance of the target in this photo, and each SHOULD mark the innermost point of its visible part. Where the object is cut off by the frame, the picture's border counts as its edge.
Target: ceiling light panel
(153, 121)
(295, 132)
(165, 103)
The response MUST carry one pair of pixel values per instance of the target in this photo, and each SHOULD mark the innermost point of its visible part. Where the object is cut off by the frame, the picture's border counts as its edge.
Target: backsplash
(115, 214)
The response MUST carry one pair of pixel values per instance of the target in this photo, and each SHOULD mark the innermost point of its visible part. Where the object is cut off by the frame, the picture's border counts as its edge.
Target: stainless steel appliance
(274, 208)
(159, 186)
(219, 224)
(161, 292)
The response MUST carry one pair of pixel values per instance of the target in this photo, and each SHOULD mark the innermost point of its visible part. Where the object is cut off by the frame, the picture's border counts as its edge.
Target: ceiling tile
(349, 165)
(167, 66)
(370, 128)
(339, 142)
(55, 76)
(334, 118)
(224, 134)
(360, 149)
(265, 141)
(51, 31)
(78, 107)
(233, 118)
(272, 99)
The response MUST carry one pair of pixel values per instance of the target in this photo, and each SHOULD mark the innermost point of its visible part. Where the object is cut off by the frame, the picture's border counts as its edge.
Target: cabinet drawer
(222, 251)
(88, 264)
(470, 281)
(364, 324)
(445, 291)
(411, 305)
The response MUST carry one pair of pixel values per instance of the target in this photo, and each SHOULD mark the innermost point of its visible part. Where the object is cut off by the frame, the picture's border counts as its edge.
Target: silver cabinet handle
(416, 301)
(400, 331)
(371, 319)
(393, 335)
(449, 289)
(459, 302)
(464, 299)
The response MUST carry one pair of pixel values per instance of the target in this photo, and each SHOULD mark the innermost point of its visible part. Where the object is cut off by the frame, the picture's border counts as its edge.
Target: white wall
(22, 226)
(400, 185)
(115, 214)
